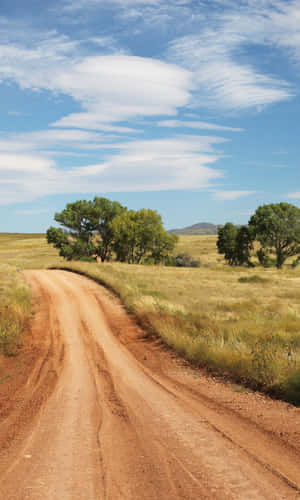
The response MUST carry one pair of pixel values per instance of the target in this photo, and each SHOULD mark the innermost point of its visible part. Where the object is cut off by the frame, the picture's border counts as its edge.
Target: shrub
(186, 260)
(265, 259)
(253, 279)
(292, 387)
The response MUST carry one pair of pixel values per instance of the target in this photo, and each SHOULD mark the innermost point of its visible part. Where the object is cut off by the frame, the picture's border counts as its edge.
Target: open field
(244, 323)
(27, 251)
(18, 251)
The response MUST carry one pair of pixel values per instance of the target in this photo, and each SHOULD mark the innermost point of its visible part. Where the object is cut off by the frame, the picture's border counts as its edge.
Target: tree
(235, 243)
(226, 242)
(243, 246)
(101, 226)
(75, 240)
(139, 235)
(87, 228)
(277, 228)
(104, 213)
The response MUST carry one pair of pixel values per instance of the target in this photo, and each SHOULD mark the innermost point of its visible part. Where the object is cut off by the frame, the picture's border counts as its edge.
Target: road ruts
(114, 428)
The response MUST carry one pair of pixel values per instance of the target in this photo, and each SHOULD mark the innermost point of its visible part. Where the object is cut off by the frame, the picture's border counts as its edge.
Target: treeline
(276, 230)
(106, 229)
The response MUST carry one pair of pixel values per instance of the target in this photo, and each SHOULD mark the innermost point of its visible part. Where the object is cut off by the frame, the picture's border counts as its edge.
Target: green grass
(238, 322)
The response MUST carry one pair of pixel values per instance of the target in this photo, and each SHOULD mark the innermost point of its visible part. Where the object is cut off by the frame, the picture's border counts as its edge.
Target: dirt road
(106, 414)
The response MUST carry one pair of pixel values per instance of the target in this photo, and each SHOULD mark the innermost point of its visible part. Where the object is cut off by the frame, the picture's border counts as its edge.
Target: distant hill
(201, 228)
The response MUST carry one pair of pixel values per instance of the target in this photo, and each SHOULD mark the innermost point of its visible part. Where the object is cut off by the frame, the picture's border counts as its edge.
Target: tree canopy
(139, 235)
(101, 227)
(277, 228)
(235, 243)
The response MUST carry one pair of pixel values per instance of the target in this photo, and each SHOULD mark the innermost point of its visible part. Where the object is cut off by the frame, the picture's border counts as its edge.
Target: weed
(255, 278)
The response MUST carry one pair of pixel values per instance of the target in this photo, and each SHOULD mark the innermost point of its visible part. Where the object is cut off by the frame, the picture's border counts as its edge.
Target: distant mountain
(201, 228)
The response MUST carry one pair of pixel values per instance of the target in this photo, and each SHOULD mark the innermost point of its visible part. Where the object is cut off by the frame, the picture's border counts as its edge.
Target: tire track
(112, 426)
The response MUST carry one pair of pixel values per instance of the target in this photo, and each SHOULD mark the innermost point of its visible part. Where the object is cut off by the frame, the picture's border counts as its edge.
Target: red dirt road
(108, 414)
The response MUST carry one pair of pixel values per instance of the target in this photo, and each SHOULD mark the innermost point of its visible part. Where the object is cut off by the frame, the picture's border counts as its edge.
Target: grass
(238, 322)
(255, 278)
(17, 252)
(27, 251)
(14, 309)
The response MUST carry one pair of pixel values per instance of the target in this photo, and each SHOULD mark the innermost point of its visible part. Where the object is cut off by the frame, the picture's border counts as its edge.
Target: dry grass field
(239, 322)
(17, 252)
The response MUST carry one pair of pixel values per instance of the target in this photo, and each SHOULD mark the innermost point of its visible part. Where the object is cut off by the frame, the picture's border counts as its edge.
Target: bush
(264, 259)
(186, 260)
(292, 387)
(253, 279)
(296, 262)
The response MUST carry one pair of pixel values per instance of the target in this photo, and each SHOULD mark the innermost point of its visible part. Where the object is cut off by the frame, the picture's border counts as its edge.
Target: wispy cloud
(231, 195)
(31, 211)
(53, 138)
(184, 162)
(109, 88)
(221, 79)
(197, 125)
(294, 196)
(117, 88)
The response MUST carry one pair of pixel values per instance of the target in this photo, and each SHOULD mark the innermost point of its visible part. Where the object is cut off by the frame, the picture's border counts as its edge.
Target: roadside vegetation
(231, 321)
(17, 252)
(242, 323)
(14, 310)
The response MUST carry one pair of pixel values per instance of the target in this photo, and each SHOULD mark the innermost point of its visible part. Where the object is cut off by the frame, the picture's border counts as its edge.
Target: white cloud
(117, 88)
(109, 88)
(294, 196)
(221, 80)
(231, 195)
(55, 138)
(26, 164)
(197, 125)
(31, 212)
(72, 5)
(184, 162)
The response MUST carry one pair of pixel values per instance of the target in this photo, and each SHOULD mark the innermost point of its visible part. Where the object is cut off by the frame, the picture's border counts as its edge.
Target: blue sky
(189, 107)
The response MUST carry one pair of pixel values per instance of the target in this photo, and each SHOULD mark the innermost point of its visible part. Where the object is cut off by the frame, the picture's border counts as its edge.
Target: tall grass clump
(14, 311)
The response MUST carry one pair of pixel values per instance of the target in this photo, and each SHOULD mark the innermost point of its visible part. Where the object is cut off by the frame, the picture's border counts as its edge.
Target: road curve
(116, 425)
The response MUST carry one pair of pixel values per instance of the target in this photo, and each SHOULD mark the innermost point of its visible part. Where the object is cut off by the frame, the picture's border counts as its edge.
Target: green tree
(75, 240)
(226, 242)
(104, 213)
(243, 246)
(86, 230)
(235, 243)
(139, 235)
(277, 228)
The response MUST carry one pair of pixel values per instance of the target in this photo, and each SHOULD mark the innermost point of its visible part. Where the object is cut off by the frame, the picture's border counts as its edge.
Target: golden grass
(17, 252)
(244, 323)
(27, 251)
(14, 309)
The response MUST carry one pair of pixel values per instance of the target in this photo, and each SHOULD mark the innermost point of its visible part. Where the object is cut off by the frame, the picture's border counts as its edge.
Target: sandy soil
(106, 413)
